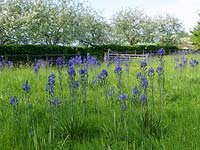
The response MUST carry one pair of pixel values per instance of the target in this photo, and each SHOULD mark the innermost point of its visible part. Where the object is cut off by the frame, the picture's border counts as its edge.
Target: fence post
(5, 59)
(108, 53)
(47, 58)
(27, 58)
(104, 56)
(63, 57)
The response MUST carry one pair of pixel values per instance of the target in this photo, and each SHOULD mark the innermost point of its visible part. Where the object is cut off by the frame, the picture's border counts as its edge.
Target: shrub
(32, 52)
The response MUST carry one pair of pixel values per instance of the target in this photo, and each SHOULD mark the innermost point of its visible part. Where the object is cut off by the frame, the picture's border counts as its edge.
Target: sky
(185, 10)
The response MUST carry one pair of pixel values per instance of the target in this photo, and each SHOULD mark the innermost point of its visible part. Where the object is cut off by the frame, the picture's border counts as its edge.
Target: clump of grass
(151, 125)
(77, 129)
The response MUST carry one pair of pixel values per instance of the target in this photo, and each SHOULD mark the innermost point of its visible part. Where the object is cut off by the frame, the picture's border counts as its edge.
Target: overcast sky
(185, 10)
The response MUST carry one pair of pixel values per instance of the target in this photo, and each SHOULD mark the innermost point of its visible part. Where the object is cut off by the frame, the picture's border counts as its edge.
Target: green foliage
(50, 22)
(168, 29)
(132, 26)
(196, 36)
(70, 22)
(14, 21)
(93, 28)
(128, 26)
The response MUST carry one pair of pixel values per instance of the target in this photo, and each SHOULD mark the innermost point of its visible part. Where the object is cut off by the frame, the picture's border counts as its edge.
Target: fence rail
(124, 56)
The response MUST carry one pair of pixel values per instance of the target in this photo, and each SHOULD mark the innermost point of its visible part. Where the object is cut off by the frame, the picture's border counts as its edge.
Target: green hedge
(97, 51)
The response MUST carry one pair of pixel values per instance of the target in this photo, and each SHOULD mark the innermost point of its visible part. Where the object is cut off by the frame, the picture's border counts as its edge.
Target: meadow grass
(35, 123)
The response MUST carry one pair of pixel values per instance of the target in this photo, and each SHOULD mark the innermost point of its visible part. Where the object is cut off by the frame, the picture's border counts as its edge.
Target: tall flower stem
(161, 76)
(84, 79)
(152, 90)
(118, 71)
(71, 81)
(59, 62)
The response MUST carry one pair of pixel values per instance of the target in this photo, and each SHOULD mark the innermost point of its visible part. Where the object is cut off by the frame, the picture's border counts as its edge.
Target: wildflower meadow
(87, 103)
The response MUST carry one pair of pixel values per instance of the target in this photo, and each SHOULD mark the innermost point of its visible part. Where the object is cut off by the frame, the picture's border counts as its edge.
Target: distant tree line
(68, 22)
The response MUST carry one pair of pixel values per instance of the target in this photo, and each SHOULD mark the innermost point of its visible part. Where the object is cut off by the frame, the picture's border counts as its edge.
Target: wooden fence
(124, 56)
